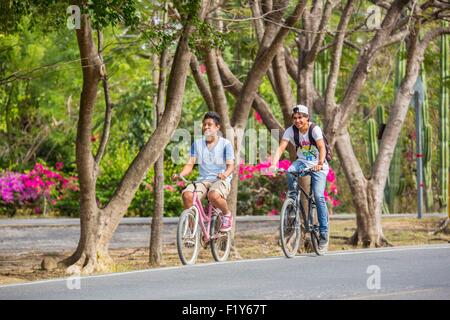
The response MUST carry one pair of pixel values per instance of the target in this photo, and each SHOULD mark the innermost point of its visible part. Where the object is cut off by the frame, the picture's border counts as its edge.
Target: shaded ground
(263, 242)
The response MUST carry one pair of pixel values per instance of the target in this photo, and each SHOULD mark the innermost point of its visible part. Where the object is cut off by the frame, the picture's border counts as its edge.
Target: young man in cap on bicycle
(215, 158)
(309, 154)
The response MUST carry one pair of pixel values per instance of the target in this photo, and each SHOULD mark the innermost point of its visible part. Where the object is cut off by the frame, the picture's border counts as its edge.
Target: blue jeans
(318, 182)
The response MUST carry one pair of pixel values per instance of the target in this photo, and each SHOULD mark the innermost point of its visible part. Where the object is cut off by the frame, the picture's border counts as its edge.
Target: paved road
(404, 273)
(50, 235)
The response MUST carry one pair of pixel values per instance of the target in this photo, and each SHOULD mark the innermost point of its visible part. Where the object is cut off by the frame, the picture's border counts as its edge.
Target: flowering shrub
(331, 191)
(34, 189)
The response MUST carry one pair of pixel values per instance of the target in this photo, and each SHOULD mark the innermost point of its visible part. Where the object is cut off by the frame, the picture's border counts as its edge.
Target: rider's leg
(188, 193)
(218, 201)
(318, 181)
(188, 198)
(292, 180)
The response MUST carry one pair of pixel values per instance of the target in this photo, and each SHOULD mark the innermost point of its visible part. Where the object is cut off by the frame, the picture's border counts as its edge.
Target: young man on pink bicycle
(215, 158)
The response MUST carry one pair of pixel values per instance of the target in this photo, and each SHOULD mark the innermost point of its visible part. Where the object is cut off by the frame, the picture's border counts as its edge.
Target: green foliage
(51, 14)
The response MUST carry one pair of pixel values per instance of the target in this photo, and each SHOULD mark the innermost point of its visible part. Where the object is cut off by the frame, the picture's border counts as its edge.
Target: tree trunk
(89, 251)
(155, 254)
(368, 208)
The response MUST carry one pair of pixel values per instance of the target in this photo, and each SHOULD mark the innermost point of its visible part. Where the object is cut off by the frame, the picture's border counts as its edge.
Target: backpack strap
(310, 136)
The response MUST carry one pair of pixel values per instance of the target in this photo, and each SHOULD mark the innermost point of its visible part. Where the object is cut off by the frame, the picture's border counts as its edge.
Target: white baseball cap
(300, 108)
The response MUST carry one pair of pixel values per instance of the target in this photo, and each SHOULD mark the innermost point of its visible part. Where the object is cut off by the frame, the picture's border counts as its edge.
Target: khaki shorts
(220, 186)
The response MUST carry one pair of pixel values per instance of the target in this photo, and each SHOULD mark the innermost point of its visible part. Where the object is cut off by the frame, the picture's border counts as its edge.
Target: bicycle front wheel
(188, 237)
(315, 234)
(289, 228)
(220, 241)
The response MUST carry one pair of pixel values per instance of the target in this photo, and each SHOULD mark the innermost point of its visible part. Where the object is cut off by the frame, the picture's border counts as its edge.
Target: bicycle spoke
(220, 241)
(187, 237)
(289, 229)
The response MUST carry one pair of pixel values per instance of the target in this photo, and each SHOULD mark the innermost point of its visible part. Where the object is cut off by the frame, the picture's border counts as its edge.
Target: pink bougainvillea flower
(169, 187)
(38, 167)
(273, 212)
(258, 117)
(59, 166)
(331, 176)
(333, 189)
(202, 68)
(335, 202)
(180, 184)
(284, 164)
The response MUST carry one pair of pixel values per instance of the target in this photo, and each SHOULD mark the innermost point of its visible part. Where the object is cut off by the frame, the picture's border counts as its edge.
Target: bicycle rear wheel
(220, 241)
(188, 237)
(289, 228)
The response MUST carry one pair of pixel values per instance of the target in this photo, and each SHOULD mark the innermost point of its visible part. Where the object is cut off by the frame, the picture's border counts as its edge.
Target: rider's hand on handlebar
(175, 177)
(222, 176)
(273, 169)
(318, 167)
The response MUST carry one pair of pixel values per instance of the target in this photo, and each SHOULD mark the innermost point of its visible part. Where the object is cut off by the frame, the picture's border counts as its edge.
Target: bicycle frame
(308, 221)
(202, 215)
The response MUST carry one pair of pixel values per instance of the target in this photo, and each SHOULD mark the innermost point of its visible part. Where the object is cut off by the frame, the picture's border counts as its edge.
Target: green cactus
(381, 116)
(318, 77)
(427, 144)
(373, 128)
(321, 70)
(444, 134)
(395, 183)
(373, 142)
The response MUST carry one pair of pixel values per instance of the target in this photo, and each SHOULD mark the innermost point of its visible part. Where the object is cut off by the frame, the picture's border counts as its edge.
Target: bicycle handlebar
(309, 170)
(184, 179)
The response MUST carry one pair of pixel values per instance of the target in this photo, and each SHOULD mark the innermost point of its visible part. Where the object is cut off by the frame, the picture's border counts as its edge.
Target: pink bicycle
(198, 225)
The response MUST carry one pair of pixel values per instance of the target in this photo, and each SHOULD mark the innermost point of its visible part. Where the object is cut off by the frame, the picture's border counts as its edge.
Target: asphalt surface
(420, 272)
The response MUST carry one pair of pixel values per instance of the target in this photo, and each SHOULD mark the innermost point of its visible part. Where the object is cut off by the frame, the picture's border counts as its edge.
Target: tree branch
(108, 108)
(361, 69)
(201, 84)
(217, 90)
(330, 100)
(234, 86)
(259, 68)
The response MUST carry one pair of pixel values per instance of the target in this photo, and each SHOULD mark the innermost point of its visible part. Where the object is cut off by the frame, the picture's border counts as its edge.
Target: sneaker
(227, 223)
(323, 243)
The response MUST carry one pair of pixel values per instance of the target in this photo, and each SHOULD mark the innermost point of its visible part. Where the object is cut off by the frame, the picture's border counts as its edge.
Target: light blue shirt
(212, 162)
